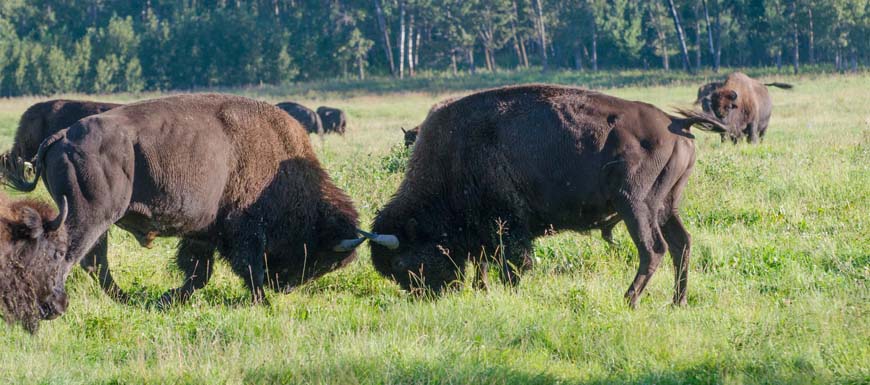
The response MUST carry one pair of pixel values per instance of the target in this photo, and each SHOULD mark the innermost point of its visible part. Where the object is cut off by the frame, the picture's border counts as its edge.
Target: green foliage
(777, 284)
(193, 44)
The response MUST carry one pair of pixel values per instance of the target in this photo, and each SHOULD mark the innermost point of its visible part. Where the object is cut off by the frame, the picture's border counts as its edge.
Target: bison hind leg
(196, 259)
(643, 226)
(679, 246)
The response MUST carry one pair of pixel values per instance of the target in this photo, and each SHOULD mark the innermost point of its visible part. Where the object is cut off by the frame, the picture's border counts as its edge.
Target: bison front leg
(753, 133)
(196, 260)
(96, 263)
(647, 236)
(247, 258)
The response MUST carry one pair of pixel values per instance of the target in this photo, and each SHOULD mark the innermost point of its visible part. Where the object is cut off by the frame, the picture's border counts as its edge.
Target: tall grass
(777, 285)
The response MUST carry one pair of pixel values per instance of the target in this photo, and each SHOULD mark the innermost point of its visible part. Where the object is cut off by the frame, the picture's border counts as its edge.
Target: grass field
(778, 287)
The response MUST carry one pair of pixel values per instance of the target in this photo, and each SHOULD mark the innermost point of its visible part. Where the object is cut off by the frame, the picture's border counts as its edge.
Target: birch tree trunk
(542, 34)
(401, 39)
(811, 35)
(385, 33)
(680, 35)
(795, 41)
(594, 45)
(713, 60)
(411, 46)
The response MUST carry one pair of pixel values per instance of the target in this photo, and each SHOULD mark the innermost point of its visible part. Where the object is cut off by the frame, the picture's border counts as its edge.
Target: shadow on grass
(476, 372)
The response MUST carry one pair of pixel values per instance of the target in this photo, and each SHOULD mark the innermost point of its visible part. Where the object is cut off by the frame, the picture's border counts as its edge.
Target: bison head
(418, 264)
(33, 264)
(410, 136)
(723, 103)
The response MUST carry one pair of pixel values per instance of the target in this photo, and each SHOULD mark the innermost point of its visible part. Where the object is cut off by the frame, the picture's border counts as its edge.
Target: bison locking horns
(496, 169)
(224, 173)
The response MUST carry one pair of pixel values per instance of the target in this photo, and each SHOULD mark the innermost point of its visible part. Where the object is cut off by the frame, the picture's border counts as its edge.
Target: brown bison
(224, 173)
(42, 120)
(33, 264)
(304, 115)
(492, 171)
(742, 103)
(334, 120)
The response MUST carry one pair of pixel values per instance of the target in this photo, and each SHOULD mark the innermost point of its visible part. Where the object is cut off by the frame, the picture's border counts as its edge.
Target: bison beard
(492, 171)
(226, 174)
(32, 259)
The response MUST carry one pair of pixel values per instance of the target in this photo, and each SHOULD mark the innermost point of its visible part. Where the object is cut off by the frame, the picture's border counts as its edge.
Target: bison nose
(55, 305)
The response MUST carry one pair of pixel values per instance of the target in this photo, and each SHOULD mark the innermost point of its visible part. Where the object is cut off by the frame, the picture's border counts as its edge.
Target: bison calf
(742, 103)
(334, 120)
(33, 263)
(492, 171)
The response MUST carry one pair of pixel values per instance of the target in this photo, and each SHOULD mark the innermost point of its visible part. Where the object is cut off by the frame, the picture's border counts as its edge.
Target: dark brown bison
(304, 115)
(42, 120)
(742, 103)
(410, 136)
(492, 171)
(334, 120)
(224, 173)
(33, 264)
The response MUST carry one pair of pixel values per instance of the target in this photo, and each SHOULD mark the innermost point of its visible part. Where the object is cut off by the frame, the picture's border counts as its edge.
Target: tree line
(102, 46)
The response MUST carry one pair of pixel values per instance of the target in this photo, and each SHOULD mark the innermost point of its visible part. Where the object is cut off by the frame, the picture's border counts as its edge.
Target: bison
(309, 119)
(334, 120)
(492, 171)
(742, 103)
(223, 173)
(33, 264)
(42, 120)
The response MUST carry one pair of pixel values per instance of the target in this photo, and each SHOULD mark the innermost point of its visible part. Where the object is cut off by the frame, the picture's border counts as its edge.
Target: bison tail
(703, 120)
(784, 86)
(16, 178)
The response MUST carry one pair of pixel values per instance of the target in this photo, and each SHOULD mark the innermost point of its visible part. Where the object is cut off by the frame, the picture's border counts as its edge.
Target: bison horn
(386, 240)
(348, 244)
(57, 222)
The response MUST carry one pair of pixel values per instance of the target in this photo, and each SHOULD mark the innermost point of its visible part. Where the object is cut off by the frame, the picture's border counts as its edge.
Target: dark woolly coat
(31, 263)
(492, 171)
(307, 117)
(224, 173)
(43, 119)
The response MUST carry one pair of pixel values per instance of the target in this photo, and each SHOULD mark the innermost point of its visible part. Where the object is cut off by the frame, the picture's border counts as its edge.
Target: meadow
(778, 283)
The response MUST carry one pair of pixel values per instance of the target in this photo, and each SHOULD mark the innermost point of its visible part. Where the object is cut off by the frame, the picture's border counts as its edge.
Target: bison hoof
(169, 298)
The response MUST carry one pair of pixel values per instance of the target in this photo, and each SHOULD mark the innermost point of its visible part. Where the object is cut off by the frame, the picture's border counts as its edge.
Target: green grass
(778, 288)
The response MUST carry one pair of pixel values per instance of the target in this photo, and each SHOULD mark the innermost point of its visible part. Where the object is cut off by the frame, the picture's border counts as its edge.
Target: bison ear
(29, 225)
(403, 130)
(411, 229)
(732, 95)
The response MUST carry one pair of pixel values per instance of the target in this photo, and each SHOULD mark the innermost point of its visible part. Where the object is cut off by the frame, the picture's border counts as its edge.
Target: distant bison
(410, 136)
(742, 103)
(492, 171)
(42, 120)
(308, 118)
(224, 173)
(334, 120)
(33, 263)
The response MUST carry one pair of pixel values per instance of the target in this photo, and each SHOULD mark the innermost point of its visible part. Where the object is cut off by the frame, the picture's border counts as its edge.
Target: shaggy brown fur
(308, 118)
(492, 171)
(224, 173)
(31, 255)
(42, 120)
(334, 120)
(742, 103)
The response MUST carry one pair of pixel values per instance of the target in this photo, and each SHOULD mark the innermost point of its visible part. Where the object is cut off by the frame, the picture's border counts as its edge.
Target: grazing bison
(304, 115)
(494, 170)
(742, 103)
(33, 263)
(42, 120)
(334, 120)
(224, 173)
